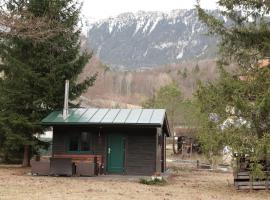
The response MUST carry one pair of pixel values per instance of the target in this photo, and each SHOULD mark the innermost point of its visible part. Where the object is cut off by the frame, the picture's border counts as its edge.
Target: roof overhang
(166, 126)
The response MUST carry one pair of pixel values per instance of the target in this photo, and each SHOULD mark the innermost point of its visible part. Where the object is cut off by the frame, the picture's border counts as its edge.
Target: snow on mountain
(148, 39)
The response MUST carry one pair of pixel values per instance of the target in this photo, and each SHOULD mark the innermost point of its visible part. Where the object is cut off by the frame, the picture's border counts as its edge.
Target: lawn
(16, 183)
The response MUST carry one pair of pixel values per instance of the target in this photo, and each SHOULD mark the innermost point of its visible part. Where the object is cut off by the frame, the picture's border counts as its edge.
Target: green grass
(155, 181)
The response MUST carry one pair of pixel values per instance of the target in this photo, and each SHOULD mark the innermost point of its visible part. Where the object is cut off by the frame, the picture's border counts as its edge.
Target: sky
(100, 9)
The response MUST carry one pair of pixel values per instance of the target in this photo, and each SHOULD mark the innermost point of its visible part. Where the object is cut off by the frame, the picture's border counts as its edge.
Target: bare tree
(23, 24)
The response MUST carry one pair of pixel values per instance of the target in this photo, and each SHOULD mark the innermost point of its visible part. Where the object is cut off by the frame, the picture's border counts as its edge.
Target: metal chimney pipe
(65, 110)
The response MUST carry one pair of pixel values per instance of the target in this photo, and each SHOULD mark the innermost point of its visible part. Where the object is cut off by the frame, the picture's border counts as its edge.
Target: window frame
(79, 143)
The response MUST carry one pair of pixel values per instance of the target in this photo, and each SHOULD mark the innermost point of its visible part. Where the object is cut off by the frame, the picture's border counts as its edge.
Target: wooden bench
(61, 166)
(41, 167)
(82, 161)
(80, 158)
(86, 169)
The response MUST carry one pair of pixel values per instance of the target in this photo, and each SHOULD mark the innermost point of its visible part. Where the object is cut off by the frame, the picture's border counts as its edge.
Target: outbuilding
(125, 141)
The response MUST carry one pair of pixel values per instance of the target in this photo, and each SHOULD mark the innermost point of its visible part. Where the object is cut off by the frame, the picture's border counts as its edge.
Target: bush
(154, 181)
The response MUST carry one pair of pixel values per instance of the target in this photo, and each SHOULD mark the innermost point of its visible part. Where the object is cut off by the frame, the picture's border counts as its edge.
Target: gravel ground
(183, 184)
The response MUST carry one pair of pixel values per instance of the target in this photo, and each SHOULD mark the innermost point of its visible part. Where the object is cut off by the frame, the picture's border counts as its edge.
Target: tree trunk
(26, 156)
(5, 158)
(174, 151)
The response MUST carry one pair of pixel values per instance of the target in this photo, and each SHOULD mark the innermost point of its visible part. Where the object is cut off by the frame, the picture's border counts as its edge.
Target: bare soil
(16, 183)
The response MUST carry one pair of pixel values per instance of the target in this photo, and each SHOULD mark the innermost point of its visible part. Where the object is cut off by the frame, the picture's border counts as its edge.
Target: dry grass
(16, 184)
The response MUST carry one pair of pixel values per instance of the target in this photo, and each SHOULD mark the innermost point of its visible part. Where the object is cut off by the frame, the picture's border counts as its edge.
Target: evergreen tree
(236, 106)
(168, 97)
(196, 69)
(185, 73)
(35, 72)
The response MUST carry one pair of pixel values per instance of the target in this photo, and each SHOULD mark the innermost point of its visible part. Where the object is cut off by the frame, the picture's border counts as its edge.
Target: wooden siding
(143, 150)
(141, 154)
(61, 137)
(163, 154)
(58, 144)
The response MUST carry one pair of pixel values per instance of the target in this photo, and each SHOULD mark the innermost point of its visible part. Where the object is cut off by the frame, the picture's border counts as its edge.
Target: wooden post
(191, 149)
(96, 165)
(174, 151)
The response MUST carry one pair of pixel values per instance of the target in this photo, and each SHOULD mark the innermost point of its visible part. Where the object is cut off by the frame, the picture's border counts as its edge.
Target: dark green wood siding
(142, 151)
(141, 154)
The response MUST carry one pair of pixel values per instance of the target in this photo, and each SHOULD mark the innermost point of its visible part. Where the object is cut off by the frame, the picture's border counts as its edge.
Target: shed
(129, 141)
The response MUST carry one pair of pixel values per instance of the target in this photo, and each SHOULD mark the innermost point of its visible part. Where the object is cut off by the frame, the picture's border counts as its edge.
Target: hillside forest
(132, 88)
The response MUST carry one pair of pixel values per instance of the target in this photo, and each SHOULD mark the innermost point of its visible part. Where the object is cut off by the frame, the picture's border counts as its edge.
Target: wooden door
(115, 153)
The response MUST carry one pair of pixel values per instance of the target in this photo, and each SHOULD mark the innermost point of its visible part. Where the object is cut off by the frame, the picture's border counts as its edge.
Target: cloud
(106, 8)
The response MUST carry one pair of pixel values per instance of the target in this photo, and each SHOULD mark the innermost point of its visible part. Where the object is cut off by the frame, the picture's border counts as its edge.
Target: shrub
(154, 181)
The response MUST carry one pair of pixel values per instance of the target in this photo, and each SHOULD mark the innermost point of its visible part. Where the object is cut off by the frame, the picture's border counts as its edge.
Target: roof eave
(98, 124)
(167, 126)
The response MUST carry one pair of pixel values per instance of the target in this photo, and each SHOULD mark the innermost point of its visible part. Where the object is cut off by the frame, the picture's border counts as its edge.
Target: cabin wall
(141, 153)
(58, 144)
(163, 153)
(140, 149)
(159, 150)
(143, 150)
(61, 136)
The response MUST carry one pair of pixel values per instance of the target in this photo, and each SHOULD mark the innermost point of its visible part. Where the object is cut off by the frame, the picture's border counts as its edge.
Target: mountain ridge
(149, 39)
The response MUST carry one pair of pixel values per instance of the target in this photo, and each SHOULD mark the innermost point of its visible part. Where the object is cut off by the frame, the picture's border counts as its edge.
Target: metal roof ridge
(152, 115)
(140, 115)
(119, 110)
(108, 109)
(124, 121)
(97, 109)
(153, 110)
(164, 114)
(86, 109)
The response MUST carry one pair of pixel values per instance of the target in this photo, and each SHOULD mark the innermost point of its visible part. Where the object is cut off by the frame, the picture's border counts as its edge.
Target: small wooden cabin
(128, 141)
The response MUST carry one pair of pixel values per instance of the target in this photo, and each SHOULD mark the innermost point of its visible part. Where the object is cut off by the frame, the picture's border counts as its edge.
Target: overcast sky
(99, 9)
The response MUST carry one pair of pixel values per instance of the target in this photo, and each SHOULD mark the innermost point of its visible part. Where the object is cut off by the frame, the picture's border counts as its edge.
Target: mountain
(148, 39)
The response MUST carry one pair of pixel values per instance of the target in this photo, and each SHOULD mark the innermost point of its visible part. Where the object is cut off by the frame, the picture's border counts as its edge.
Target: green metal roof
(98, 116)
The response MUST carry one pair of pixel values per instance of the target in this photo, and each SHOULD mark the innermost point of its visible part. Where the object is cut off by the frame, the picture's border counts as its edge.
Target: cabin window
(74, 143)
(80, 142)
(85, 141)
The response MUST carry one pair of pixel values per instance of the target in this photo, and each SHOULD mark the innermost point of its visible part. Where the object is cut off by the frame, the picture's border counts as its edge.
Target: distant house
(126, 141)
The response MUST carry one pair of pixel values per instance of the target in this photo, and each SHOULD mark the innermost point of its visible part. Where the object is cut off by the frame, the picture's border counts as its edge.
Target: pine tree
(241, 107)
(35, 71)
(196, 69)
(185, 73)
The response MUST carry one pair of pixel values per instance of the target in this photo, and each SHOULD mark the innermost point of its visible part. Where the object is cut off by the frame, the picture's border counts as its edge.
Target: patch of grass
(155, 181)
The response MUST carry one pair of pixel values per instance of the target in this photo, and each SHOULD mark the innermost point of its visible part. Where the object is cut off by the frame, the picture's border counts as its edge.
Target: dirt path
(195, 185)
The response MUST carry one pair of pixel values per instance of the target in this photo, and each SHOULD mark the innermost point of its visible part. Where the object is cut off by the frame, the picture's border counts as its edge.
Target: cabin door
(115, 153)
